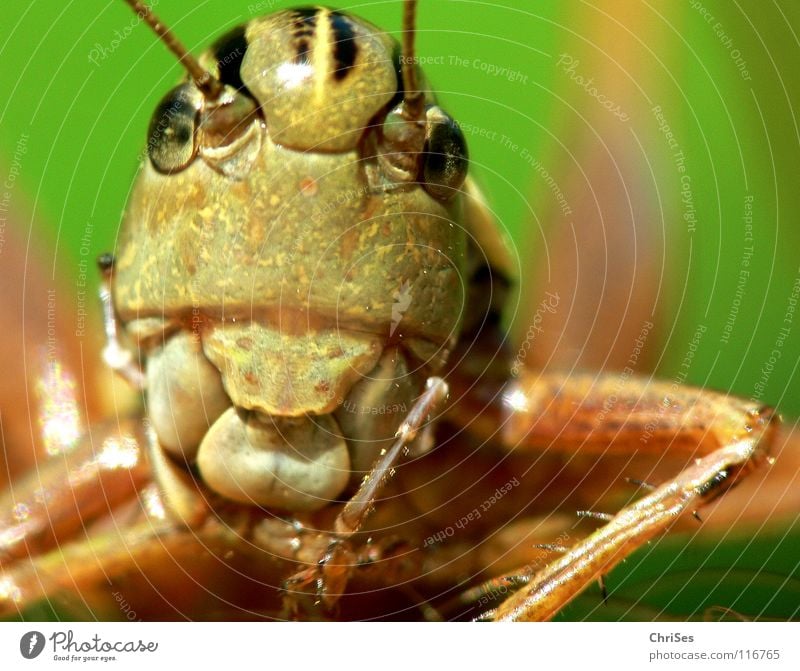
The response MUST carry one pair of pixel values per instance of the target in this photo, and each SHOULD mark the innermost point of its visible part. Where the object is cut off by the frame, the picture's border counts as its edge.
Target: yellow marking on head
(322, 52)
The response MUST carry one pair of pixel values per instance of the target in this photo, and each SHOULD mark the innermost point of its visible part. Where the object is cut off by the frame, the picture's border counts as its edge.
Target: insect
(307, 285)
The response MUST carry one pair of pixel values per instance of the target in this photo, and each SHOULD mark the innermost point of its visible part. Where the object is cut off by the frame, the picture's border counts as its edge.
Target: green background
(83, 124)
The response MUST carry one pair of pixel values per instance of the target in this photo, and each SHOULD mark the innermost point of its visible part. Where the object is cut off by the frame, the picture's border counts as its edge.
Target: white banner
(388, 647)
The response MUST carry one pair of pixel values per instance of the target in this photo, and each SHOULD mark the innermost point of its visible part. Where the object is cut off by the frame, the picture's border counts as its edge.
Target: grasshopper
(308, 290)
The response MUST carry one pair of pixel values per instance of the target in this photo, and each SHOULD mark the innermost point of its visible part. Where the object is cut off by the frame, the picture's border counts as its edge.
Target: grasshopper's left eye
(445, 157)
(171, 139)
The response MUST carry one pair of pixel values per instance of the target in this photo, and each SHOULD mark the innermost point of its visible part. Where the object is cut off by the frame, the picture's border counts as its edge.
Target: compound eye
(445, 155)
(171, 138)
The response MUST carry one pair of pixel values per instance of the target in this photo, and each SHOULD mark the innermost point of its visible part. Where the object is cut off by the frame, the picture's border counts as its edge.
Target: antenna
(413, 98)
(209, 85)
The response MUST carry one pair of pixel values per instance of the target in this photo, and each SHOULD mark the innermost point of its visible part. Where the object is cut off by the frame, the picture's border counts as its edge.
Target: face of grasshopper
(291, 282)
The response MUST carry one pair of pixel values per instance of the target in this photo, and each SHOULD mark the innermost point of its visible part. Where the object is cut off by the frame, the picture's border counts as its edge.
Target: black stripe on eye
(303, 29)
(229, 51)
(305, 14)
(303, 49)
(345, 48)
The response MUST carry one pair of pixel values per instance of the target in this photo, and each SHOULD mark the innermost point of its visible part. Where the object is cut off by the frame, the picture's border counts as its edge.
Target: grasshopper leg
(725, 437)
(66, 492)
(552, 588)
(56, 503)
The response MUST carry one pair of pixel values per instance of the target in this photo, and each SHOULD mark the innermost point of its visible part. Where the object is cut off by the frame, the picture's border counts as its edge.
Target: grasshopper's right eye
(445, 157)
(171, 142)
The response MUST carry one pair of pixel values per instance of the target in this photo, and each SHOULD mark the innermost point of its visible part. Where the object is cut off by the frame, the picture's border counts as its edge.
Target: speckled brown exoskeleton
(308, 290)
